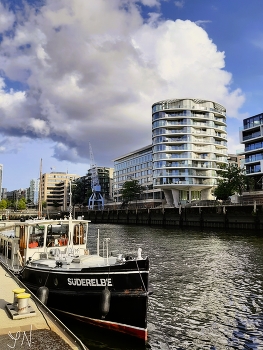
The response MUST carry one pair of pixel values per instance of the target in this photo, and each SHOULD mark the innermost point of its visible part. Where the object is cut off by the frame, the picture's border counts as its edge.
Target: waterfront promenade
(40, 332)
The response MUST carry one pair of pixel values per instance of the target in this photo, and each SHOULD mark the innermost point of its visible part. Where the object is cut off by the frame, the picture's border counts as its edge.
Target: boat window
(17, 231)
(57, 235)
(36, 238)
(78, 237)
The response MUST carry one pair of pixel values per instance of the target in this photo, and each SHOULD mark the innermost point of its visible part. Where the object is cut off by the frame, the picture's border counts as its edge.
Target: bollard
(16, 292)
(23, 302)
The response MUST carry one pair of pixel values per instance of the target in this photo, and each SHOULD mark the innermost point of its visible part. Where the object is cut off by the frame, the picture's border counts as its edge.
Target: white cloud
(233, 144)
(11, 104)
(93, 70)
(12, 144)
(179, 4)
(6, 19)
(202, 23)
(38, 127)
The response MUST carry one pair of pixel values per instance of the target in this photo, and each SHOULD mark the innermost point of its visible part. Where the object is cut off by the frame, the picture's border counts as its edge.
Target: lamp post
(137, 194)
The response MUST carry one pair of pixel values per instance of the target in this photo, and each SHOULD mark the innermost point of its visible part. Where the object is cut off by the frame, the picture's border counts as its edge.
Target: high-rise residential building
(4, 191)
(55, 189)
(189, 140)
(33, 192)
(136, 165)
(1, 180)
(251, 135)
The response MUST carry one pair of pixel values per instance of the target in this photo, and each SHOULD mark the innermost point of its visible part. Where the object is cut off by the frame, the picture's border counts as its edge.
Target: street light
(137, 194)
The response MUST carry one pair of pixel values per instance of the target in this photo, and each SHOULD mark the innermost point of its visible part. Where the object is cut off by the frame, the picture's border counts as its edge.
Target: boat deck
(39, 332)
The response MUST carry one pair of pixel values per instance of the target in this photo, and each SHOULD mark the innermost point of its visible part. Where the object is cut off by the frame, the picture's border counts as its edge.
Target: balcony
(252, 136)
(252, 125)
(201, 139)
(221, 143)
(200, 115)
(191, 182)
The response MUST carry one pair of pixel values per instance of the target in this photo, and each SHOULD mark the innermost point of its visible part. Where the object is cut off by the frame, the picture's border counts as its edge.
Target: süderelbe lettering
(90, 282)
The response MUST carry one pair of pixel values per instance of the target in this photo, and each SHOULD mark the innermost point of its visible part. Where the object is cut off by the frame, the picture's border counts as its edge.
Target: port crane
(96, 197)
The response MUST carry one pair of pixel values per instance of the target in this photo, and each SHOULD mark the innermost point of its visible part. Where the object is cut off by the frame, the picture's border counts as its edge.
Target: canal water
(208, 289)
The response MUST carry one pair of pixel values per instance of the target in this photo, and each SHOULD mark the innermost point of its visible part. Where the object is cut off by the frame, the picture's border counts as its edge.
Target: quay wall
(233, 216)
(227, 217)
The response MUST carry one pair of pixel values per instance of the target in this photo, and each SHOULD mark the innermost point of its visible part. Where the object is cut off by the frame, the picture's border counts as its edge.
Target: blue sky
(77, 71)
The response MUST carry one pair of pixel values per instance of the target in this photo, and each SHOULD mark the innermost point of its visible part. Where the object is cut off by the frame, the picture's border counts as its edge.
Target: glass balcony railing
(178, 181)
(252, 124)
(252, 136)
(254, 158)
(222, 143)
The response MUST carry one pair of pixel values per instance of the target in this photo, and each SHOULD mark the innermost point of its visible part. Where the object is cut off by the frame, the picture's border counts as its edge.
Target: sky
(75, 73)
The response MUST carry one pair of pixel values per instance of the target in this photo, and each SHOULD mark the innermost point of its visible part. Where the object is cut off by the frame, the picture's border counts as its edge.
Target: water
(208, 291)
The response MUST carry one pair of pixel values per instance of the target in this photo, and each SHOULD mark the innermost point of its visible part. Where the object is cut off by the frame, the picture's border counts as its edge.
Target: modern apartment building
(251, 135)
(136, 165)
(4, 191)
(33, 192)
(55, 189)
(189, 140)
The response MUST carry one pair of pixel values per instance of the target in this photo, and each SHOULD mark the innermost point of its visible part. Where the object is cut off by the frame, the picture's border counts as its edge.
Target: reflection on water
(207, 289)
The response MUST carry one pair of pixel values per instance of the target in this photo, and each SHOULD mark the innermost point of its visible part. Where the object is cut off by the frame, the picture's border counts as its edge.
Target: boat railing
(39, 255)
(57, 253)
(9, 251)
(78, 251)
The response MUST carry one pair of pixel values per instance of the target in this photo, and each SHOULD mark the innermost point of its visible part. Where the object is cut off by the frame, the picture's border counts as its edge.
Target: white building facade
(34, 191)
(189, 141)
(136, 165)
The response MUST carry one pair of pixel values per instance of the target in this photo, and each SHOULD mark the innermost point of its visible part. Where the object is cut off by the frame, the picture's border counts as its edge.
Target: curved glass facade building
(189, 141)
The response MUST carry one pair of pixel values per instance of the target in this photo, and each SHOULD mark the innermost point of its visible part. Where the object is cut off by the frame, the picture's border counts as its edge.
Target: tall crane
(96, 197)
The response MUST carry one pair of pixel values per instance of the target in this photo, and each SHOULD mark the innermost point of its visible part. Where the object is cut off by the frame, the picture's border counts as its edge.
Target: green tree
(3, 204)
(131, 190)
(80, 192)
(21, 204)
(232, 180)
(9, 203)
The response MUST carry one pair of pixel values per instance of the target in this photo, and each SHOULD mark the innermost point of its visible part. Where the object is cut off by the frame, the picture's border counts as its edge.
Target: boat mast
(70, 199)
(40, 192)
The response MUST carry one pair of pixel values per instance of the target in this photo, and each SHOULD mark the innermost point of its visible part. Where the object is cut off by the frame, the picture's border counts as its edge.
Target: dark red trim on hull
(117, 327)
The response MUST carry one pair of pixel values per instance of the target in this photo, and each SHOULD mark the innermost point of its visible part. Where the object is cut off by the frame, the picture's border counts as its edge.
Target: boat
(88, 282)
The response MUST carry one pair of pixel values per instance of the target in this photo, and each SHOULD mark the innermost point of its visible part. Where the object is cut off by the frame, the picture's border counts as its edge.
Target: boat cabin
(34, 240)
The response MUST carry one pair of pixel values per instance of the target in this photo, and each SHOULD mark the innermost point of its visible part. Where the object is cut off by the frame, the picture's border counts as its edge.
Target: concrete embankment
(223, 217)
(42, 331)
